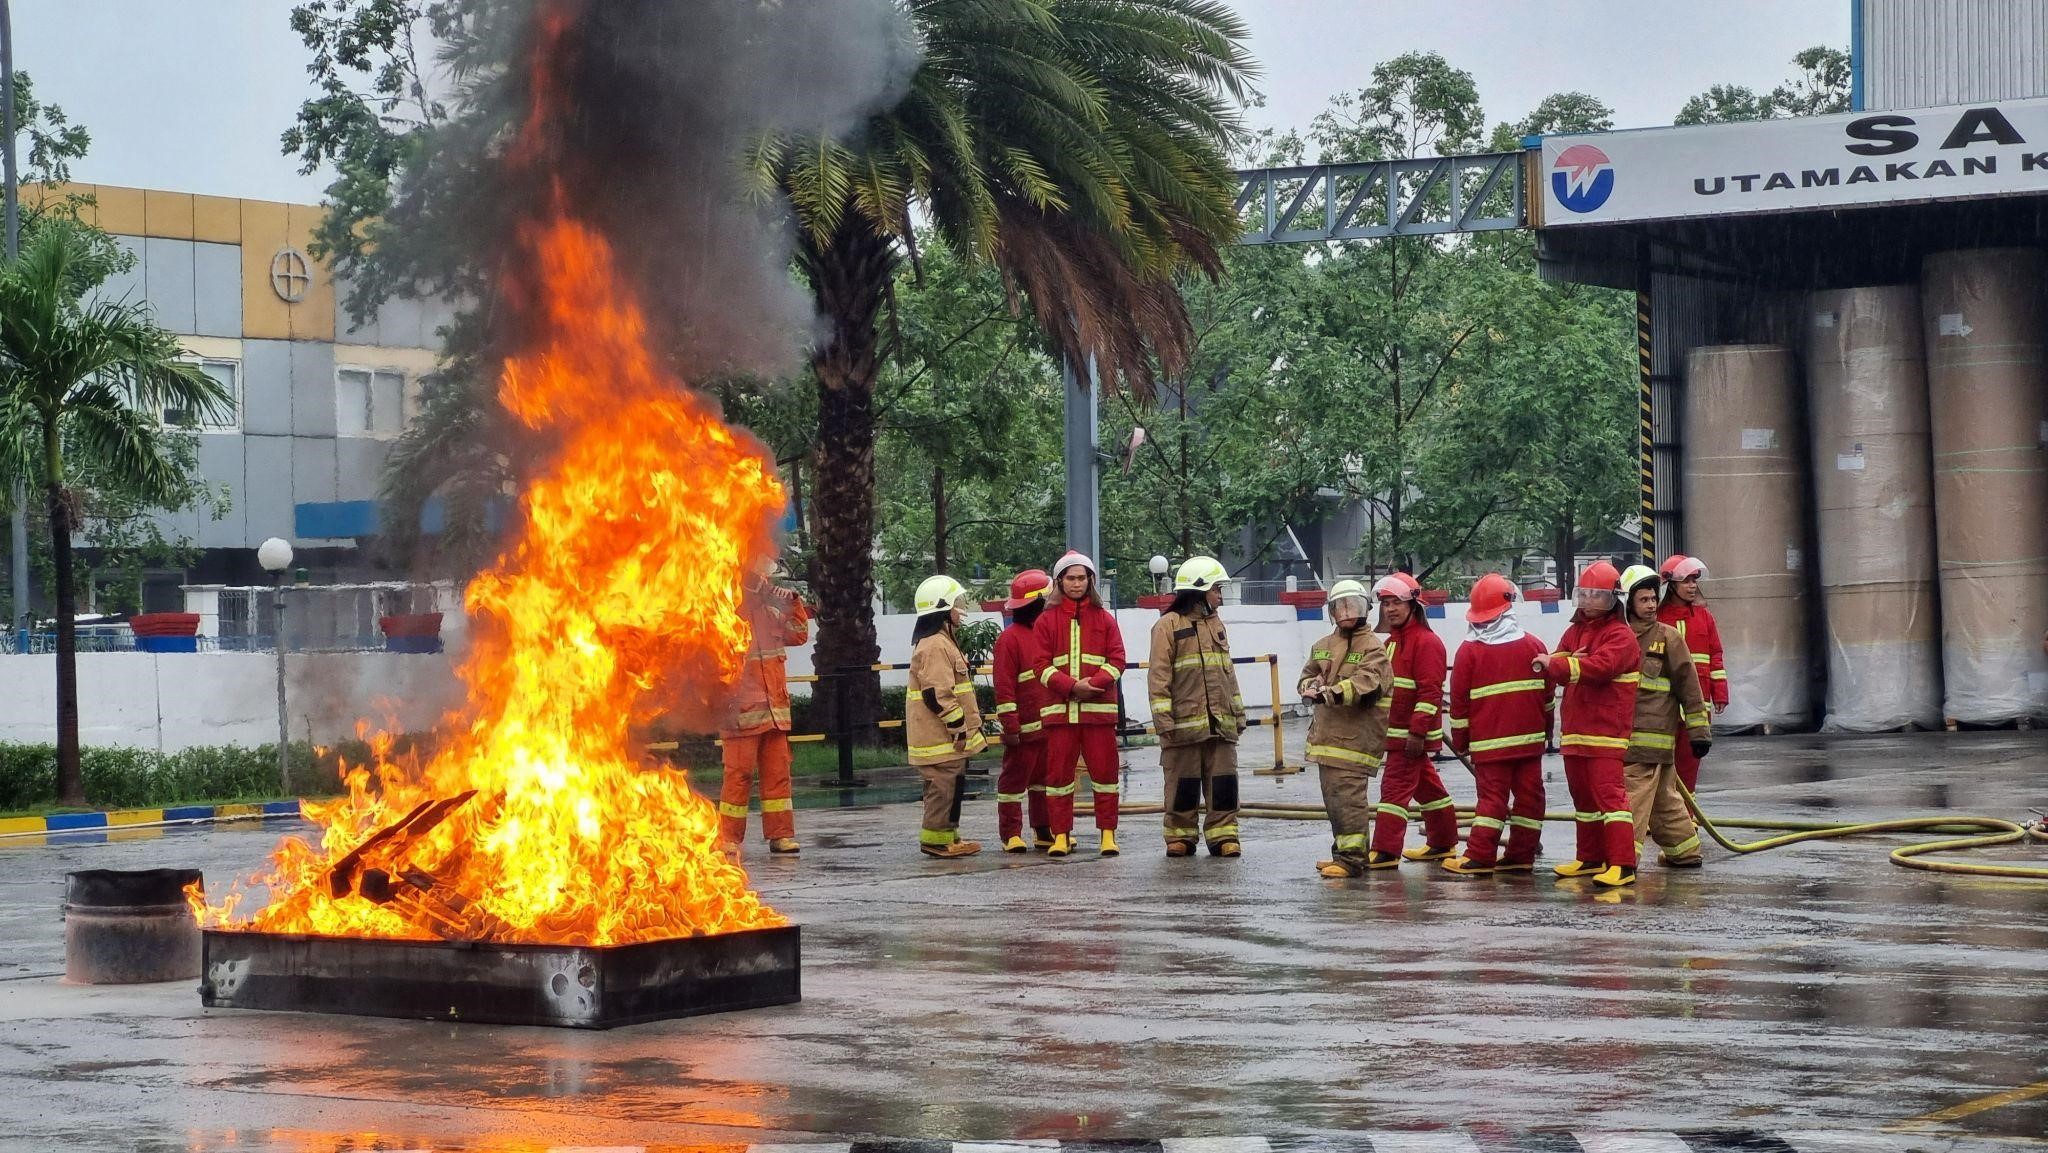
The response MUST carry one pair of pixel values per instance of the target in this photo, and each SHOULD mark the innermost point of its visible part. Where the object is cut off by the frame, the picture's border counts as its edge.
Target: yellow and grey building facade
(318, 399)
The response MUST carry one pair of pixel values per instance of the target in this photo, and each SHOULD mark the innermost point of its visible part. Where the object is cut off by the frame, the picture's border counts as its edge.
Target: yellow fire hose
(1957, 832)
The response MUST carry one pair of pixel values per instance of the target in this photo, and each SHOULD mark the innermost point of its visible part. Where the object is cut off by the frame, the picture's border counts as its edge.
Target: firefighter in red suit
(1685, 609)
(1598, 663)
(1414, 730)
(1084, 658)
(1500, 719)
(1020, 705)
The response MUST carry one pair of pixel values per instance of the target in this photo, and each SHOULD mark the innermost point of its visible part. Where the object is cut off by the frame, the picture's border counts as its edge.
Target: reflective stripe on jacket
(1702, 637)
(760, 698)
(953, 733)
(1500, 707)
(1669, 707)
(1352, 731)
(1191, 683)
(1017, 667)
(1419, 664)
(1596, 662)
(1078, 642)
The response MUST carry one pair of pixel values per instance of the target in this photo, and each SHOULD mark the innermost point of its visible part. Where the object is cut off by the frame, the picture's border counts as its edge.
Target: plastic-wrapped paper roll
(1745, 498)
(1866, 380)
(1988, 411)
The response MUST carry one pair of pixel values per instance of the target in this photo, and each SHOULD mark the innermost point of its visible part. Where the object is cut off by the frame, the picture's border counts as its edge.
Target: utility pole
(20, 519)
(1084, 467)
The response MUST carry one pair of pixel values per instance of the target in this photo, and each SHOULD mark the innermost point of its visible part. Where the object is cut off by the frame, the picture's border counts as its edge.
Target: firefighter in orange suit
(1500, 719)
(1597, 664)
(757, 740)
(1685, 609)
(1020, 704)
(1084, 659)
(1414, 730)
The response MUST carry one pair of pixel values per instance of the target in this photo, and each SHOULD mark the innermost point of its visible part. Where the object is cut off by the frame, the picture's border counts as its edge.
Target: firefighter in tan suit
(1670, 707)
(1346, 674)
(1197, 712)
(941, 717)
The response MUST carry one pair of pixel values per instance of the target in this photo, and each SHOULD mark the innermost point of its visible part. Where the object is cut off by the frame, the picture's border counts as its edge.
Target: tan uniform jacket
(1352, 732)
(954, 732)
(1191, 683)
(1668, 697)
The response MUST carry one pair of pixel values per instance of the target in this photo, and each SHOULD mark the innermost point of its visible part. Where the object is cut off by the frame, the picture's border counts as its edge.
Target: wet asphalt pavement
(1814, 988)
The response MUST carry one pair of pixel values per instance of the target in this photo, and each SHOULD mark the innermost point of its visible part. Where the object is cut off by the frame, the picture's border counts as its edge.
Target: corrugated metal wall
(1927, 53)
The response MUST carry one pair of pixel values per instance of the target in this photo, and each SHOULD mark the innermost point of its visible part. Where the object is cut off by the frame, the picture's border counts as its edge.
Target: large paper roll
(1988, 410)
(1745, 498)
(1866, 378)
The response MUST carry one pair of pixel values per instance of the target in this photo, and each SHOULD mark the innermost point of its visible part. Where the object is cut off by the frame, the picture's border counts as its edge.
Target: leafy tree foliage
(1820, 86)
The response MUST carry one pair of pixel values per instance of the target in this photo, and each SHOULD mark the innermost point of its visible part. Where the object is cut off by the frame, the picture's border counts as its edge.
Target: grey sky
(190, 95)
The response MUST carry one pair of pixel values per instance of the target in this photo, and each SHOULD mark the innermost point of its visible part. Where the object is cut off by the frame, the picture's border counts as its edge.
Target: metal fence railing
(318, 618)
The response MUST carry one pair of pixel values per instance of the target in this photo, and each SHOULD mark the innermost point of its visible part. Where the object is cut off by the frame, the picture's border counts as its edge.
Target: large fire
(539, 821)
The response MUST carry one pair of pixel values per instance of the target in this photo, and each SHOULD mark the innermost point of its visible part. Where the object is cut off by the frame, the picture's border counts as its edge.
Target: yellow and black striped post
(1647, 444)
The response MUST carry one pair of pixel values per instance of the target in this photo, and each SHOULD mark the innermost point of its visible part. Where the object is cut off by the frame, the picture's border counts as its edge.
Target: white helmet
(1199, 574)
(1349, 590)
(1073, 558)
(939, 594)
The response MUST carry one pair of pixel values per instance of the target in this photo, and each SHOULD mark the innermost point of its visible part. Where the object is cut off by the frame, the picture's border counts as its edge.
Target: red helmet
(1399, 586)
(1678, 567)
(1600, 576)
(1025, 587)
(1492, 596)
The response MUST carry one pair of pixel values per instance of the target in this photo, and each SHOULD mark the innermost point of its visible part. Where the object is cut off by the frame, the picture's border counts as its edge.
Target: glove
(1700, 745)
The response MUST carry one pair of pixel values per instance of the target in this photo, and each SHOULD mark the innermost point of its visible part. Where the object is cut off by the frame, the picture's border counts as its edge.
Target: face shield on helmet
(1594, 600)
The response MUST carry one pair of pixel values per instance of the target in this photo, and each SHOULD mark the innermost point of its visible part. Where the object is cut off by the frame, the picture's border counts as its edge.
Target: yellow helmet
(939, 594)
(1199, 574)
(1637, 574)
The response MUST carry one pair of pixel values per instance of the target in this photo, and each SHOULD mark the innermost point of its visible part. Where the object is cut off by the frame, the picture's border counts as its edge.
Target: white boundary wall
(173, 701)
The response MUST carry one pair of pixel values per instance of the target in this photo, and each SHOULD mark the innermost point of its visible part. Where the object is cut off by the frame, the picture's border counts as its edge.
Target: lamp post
(1158, 567)
(275, 555)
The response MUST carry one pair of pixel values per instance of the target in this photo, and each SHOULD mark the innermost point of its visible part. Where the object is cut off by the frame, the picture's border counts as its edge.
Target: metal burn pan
(572, 986)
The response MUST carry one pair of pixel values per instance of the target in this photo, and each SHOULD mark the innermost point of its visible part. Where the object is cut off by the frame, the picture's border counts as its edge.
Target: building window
(369, 402)
(228, 375)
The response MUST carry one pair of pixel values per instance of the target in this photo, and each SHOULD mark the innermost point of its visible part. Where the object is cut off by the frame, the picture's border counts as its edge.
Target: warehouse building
(1844, 329)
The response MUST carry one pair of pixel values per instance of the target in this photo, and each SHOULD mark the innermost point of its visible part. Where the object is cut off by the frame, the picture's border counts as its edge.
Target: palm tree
(1080, 145)
(92, 378)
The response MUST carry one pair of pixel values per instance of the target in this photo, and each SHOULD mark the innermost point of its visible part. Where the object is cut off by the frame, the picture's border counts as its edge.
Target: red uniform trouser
(1607, 832)
(1408, 778)
(1022, 778)
(1688, 765)
(1064, 746)
(768, 754)
(1511, 798)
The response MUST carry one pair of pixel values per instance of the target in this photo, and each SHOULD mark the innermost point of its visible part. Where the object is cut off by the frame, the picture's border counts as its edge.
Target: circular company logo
(1582, 179)
(290, 275)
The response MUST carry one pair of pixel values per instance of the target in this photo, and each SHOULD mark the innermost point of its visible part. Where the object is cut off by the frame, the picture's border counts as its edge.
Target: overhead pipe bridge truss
(1421, 197)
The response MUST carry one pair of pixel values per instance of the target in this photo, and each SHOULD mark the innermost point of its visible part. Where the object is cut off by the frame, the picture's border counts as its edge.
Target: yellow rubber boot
(1016, 845)
(1109, 848)
(1615, 876)
(1576, 869)
(1467, 867)
(1062, 845)
(1427, 853)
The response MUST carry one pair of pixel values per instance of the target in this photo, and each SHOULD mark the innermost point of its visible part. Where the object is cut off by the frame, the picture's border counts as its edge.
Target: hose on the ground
(1958, 833)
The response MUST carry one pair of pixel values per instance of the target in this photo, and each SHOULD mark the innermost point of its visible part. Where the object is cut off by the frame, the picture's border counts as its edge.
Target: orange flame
(623, 585)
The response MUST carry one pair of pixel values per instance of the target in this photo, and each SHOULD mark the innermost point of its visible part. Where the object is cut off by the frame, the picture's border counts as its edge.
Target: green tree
(1080, 145)
(95, 374)
(1820, 86)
